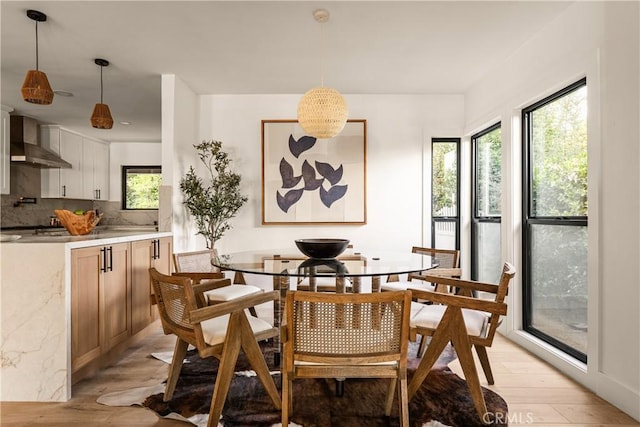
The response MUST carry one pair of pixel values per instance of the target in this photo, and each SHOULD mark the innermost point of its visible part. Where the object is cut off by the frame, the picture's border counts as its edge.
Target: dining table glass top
(290, 262)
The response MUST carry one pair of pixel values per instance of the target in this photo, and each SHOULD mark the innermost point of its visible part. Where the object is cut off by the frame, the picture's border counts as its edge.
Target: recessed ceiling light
(62, 93)
(125, 123)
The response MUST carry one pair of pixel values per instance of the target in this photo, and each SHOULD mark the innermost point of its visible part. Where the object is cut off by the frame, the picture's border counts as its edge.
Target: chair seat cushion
(231, 292)
(404, 285)
(430, 315)
(214, 330)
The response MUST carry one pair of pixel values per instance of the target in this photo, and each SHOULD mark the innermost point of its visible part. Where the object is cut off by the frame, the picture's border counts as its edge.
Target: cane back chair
(219, 330)
(463, 320)
(333, 335)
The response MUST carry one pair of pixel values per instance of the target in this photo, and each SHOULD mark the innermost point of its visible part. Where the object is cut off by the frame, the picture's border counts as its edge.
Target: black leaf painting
(286, 172)
(300, 146)
(329, 173)
(289, 199)
(309, 175)
(328, 197)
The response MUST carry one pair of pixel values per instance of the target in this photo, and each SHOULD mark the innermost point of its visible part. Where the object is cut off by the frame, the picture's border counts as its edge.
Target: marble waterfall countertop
(35, 309)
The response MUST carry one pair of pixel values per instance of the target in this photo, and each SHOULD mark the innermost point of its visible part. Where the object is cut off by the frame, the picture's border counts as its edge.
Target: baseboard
(614, 392)
(619, 395)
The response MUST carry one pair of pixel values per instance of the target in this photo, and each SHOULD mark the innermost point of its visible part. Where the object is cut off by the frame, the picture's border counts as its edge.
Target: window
(140, 186)
(555, 219)
(486, 163)
(445, 193)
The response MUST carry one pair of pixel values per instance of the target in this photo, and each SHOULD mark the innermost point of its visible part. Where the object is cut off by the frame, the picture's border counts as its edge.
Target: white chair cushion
(404, 285)
(430, 315)
(231, 292)
(415, 308)
(214, 330)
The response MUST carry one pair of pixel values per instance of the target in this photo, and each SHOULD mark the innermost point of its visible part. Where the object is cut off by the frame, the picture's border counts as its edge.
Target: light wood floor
(535, 392)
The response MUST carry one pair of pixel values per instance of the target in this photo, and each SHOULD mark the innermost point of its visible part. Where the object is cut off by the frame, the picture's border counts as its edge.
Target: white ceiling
(263, 47)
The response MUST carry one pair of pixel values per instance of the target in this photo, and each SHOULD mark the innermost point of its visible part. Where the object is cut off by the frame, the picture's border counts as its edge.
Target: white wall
(598, 40)
(397, 127)
(179, 125)
(130, 154)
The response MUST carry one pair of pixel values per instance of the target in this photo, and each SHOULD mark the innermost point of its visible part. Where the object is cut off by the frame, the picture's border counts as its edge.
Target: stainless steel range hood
(25, 148)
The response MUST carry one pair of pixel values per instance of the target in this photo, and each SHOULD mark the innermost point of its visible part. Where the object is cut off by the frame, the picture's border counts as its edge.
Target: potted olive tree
(214, 203)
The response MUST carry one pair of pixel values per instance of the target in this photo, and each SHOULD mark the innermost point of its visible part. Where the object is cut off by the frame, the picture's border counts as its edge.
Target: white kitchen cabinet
(62, 183)
(5, 156)
(95, 162)
(88, 177)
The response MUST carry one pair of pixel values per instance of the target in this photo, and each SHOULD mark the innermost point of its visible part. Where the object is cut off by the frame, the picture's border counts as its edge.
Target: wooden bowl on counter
(78, 225)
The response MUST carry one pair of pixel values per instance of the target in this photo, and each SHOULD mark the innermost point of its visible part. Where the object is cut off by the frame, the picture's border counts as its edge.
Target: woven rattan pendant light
(101, 117)
(36, 88)
(322, 111)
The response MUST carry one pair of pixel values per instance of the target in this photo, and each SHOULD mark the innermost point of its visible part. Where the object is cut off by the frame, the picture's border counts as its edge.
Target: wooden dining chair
(465, 321)
(448, 266)
(200, 262)
(219, 330)
(332, 335)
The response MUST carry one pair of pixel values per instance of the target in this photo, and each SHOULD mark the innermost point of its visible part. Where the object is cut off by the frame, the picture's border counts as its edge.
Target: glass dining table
(349, 272)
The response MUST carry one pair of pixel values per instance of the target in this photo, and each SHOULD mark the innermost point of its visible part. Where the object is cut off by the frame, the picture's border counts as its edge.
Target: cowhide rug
(443, 398)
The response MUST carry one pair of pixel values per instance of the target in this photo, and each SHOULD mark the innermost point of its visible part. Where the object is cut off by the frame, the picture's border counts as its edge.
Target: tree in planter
(212, 205)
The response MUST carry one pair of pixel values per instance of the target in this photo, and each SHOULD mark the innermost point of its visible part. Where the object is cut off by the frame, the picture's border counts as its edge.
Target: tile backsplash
(25, 182)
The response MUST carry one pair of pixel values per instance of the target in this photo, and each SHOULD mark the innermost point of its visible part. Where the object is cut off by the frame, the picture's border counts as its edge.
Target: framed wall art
(313, 181)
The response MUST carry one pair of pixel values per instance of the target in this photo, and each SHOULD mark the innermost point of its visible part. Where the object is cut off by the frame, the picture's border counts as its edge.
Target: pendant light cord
(322, 54)
(37, 46)
(101, 86)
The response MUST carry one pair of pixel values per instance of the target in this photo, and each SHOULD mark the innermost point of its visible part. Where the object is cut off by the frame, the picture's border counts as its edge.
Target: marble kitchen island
(36, 304)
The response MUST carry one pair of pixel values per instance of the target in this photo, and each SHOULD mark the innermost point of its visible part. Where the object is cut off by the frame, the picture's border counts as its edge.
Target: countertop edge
(74, 242)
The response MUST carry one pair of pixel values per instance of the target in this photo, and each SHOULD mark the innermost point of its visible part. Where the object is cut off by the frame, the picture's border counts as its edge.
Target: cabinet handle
(103, 253)
(99, 194)
(158, 251)
(64, 190)
(110, 258)
(95, 194)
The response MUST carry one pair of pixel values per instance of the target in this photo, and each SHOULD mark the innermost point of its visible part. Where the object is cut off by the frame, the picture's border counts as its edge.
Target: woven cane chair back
(327, 327)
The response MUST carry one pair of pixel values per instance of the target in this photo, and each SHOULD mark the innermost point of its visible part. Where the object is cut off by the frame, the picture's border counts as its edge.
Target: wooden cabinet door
(142, 312)
(145, 254)
(117, 303)
(86, 306)
(164, 254)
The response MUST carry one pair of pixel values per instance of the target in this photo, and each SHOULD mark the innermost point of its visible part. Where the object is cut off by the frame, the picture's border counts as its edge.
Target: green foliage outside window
(142, 185)
(489, 173)
(445, 178)
(559, 131)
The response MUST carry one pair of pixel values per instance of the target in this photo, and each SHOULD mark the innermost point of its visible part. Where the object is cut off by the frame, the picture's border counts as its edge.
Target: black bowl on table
(322, 248)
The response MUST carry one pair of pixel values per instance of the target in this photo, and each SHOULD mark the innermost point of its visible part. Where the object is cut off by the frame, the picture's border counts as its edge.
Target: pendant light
(101, 117)
(322, 111)
(36, 88)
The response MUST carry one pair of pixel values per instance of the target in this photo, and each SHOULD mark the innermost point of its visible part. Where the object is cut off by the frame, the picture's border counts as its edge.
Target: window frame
(454, 219)
(528, 220)
(123, 179)
(475, 218)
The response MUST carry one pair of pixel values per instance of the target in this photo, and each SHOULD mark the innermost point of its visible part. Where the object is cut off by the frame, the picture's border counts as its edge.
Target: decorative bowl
(78, 225)
(322, 248)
